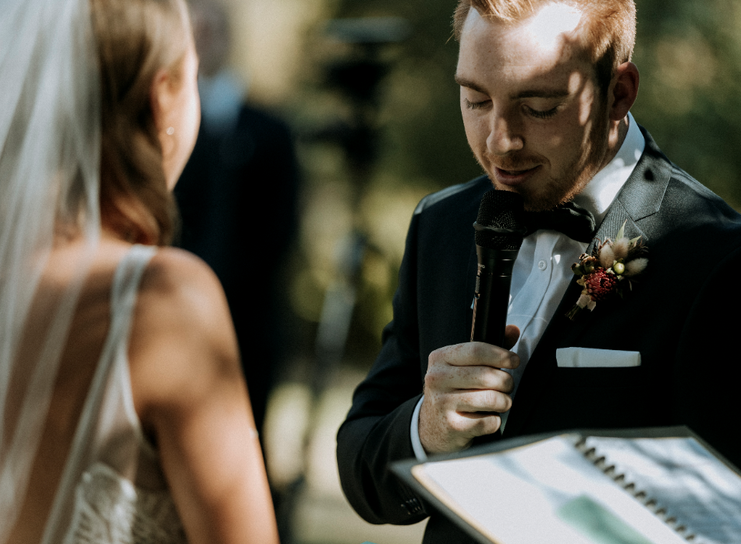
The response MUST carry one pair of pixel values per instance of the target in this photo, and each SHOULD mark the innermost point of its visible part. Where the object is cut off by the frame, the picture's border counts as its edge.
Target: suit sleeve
(709, 357)
(376, 430)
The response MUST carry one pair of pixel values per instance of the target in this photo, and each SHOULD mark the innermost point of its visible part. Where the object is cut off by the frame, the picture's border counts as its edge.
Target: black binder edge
(403, 469)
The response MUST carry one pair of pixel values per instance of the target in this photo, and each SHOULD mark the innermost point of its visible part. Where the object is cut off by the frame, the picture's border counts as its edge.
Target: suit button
(542, 265)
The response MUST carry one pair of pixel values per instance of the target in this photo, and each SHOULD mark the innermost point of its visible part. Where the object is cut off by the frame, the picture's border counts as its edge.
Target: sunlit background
(287, 53)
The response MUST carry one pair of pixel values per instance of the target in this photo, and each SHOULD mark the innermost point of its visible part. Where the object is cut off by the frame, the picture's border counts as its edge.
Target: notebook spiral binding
(601, 463)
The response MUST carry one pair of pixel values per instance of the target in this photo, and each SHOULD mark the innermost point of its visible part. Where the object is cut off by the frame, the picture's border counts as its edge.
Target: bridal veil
(49, 168)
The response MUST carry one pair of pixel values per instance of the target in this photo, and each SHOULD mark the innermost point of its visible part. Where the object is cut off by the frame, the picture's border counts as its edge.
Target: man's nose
(505, 134)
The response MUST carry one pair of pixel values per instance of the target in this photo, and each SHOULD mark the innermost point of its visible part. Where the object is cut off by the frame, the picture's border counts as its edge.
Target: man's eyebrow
(529, 93)
(463, 82)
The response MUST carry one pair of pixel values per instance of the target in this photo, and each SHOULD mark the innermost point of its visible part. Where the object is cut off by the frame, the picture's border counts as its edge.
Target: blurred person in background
(238, 201)
(124, 416)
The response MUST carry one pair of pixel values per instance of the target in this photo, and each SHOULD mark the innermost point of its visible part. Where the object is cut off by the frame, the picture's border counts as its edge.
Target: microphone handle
(492, 294)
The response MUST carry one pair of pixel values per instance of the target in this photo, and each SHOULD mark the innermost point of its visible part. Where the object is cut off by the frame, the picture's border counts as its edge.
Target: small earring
(170, 131)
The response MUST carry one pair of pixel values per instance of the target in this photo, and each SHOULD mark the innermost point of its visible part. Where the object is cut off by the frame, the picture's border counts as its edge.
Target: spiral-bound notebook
(645, 486)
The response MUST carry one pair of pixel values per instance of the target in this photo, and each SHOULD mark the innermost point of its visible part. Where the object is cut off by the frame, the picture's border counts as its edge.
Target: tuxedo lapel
(617, 216)
(638, 201)
(640, 198)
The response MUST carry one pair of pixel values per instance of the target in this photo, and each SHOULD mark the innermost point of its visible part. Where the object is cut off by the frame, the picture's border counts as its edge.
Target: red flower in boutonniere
(608, 271)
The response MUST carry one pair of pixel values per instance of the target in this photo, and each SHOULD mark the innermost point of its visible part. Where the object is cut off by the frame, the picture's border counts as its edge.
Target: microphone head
(501, 220)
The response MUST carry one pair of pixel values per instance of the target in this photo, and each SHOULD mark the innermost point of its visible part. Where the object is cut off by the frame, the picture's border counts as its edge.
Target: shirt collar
(605, 185)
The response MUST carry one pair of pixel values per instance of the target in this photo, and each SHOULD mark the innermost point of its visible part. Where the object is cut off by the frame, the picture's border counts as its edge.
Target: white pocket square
(596, 358)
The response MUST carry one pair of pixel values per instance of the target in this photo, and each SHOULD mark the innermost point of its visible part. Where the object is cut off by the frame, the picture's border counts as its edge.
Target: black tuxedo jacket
(681, 317)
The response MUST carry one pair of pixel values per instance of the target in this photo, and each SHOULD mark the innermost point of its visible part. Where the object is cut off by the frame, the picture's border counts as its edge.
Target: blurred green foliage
(689, 54)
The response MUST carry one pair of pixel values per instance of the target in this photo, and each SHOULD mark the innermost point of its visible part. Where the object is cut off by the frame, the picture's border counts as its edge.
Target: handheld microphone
(499, 231)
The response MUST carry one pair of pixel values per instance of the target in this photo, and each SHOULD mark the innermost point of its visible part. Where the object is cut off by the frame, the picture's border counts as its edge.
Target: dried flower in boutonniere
(608, 271)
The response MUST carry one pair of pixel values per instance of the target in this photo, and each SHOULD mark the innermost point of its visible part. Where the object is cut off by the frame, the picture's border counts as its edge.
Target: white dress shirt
(542, 270)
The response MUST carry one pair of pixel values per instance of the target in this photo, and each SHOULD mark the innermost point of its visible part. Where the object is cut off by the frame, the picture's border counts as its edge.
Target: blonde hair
(608, 33)
(135, 39)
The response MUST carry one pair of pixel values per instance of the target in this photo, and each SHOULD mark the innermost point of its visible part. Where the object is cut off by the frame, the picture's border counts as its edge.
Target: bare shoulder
(182, 337)
(180, 278)
(182, 294)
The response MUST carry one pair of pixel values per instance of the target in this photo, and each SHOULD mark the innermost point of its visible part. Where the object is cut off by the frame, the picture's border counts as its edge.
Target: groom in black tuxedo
(545, 96)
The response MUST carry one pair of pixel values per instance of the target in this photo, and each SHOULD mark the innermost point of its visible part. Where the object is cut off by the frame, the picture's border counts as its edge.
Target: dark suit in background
(680, 317)
(238, 202)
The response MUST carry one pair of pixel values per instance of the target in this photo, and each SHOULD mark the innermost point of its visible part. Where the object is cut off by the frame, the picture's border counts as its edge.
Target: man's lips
(514, 177)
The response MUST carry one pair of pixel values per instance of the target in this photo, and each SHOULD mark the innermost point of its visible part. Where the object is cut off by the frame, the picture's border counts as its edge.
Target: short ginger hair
(608, 29)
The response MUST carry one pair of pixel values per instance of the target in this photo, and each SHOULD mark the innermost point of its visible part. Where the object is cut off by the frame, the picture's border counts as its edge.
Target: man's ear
(624, 90)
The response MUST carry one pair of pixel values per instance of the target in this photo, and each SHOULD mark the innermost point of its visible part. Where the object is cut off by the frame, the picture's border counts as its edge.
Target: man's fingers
(474, 424)
(487, 400)
(450, 379)
(474, 354)
(465, 390)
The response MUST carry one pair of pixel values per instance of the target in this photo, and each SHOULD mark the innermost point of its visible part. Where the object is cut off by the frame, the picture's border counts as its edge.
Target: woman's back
(149, 376)
(110, 433)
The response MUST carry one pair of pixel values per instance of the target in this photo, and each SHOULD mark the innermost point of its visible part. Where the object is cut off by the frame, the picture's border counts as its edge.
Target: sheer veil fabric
(49, 168)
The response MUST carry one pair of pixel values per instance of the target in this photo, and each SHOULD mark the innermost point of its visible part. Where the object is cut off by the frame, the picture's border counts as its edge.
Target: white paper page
(545, 492)
(685, 479)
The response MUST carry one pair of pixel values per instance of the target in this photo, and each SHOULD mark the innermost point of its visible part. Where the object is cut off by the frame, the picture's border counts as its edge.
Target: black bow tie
(570, 219)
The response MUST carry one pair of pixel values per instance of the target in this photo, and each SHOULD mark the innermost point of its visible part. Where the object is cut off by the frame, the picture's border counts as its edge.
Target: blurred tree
(689, 54)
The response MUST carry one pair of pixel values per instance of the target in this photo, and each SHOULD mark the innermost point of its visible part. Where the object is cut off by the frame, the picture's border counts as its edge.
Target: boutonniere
(609, 271)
